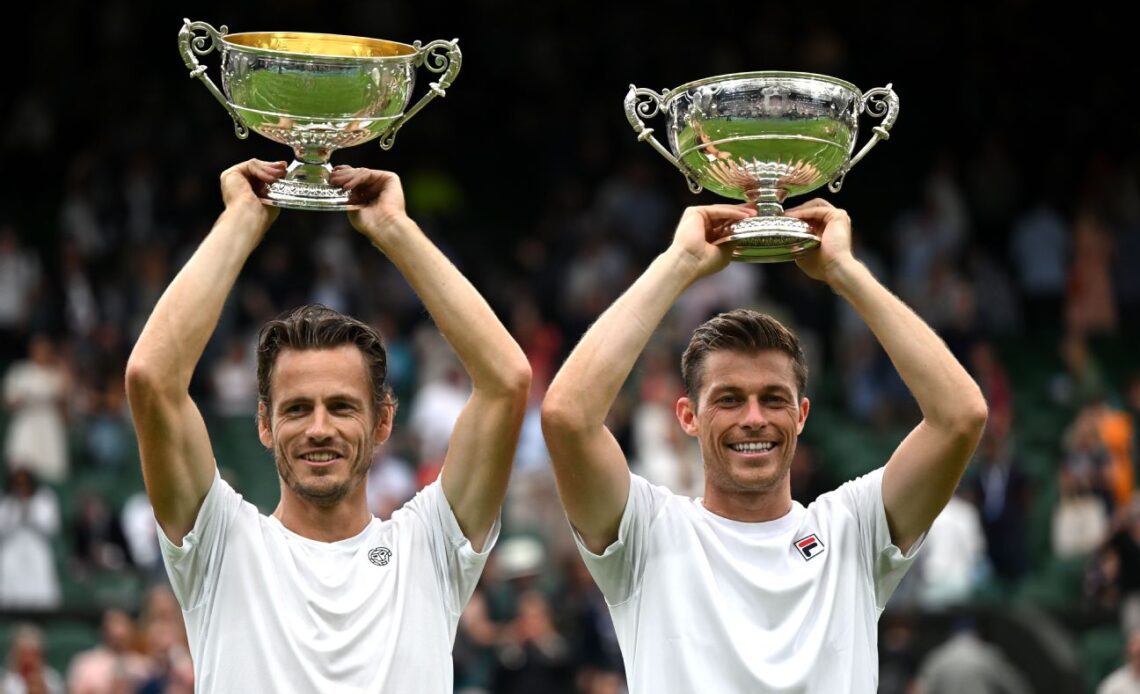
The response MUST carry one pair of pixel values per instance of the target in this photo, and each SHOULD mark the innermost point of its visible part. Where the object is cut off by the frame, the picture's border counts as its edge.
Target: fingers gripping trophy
(316, 93)
(762, 137)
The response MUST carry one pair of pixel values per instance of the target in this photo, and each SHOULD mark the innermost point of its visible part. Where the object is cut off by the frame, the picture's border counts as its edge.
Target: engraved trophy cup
(762, 137)
(316, 93)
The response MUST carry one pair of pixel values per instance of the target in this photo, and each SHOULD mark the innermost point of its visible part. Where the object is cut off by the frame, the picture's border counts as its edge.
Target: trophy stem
(769, 237)
(306, 187)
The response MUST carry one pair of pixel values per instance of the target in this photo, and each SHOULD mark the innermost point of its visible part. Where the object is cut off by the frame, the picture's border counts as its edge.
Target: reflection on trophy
(316, 93)
(761, 137)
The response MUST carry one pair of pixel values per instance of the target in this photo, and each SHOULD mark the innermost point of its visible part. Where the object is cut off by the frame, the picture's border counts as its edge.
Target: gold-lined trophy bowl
(762, 137)
(316, 93)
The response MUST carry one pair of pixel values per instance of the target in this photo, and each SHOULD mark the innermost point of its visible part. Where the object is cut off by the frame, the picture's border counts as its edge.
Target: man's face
(747, 417)
(320, 424)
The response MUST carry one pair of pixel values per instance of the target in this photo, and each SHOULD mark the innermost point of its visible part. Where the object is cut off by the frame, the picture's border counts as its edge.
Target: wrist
(844, 274)
(683, 264)
(385, 230)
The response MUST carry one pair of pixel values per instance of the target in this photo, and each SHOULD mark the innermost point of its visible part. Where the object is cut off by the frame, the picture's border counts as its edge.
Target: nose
(753, 415)
(320, 424)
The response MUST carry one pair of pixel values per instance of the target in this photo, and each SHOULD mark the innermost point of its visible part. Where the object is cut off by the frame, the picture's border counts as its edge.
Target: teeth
(753, 447)
(319, 457)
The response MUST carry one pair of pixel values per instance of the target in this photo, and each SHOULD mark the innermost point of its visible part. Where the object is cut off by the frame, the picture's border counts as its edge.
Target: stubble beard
(324, 496)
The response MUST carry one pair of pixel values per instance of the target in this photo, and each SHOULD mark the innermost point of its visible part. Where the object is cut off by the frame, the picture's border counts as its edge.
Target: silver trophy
(316, 93)
(762, 137)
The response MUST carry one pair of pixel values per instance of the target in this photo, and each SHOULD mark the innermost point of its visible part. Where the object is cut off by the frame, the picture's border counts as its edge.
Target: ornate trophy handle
(880, 103)
(647, 103)
(189, 45)
(437, 63)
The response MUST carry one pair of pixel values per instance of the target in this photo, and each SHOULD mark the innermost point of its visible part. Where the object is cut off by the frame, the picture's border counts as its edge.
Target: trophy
(761, 137)
(316, 93)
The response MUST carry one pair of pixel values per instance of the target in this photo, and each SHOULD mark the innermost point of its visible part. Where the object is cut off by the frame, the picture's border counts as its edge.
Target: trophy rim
(407, 50)
(672, 93)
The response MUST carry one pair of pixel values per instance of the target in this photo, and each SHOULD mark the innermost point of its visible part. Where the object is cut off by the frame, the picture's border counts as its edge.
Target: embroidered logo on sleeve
(380, 556)
(810, 546)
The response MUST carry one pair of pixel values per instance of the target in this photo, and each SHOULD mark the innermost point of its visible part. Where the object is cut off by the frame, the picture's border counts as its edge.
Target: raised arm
(921, 475)
(482, 447)
(592, 472)
(177, 460)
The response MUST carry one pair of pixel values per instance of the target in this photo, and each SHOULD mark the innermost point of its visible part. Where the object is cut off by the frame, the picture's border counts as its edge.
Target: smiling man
(745, 590)
(321, 596)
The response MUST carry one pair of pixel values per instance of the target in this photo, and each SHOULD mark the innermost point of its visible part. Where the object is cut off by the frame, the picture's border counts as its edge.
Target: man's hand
(243, 185)
(699, 229)
(381, 195)
(833, 227)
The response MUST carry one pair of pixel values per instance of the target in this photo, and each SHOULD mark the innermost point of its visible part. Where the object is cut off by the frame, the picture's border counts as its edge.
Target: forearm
(945, 392)
(490, 355)
(186, 314)
(590, 379)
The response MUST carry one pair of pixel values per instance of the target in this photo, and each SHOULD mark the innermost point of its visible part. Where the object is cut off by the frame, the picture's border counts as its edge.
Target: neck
(340, 521)
(749, 507)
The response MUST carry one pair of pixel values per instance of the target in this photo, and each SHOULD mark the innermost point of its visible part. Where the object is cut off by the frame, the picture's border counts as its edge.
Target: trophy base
(305, 195)
(769, 239)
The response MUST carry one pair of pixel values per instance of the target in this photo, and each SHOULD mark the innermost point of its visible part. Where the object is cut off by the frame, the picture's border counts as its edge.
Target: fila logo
(810, 547)
(379, 556)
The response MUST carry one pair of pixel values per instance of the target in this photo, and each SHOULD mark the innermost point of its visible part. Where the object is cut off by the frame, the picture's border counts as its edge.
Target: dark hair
(319, 327)
(742, 330)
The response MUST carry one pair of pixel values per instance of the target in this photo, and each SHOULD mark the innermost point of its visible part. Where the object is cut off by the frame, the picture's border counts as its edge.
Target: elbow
(970, 422)
(561, 415)
(144, 381)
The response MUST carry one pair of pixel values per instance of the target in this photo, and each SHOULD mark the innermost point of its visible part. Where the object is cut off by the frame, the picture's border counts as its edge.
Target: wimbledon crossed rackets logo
(379, 556)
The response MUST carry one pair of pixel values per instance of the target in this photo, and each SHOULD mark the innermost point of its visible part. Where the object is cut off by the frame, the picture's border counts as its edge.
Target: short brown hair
(319, 327)
(741, 330)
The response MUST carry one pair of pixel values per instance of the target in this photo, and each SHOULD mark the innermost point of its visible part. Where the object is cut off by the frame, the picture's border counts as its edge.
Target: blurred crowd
(1022, 257)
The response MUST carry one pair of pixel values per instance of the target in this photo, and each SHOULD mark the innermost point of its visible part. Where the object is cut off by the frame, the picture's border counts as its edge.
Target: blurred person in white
(954, 556)
(967, 663)
(112, 667)
(233, 379)
(34, 391)
(27, 673)
(321, 595)
(29, 521)
(19, 283)
(1126, 678)
(744, 589)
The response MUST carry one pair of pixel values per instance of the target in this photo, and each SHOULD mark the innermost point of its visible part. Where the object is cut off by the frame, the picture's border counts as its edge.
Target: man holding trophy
(745, 590)
(322, 596)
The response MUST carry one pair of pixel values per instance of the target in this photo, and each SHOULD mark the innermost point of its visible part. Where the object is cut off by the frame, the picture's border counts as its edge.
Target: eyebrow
(766, 390)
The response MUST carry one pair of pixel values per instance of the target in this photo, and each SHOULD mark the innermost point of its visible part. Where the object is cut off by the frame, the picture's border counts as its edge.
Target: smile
(753, 446)
(319, 457)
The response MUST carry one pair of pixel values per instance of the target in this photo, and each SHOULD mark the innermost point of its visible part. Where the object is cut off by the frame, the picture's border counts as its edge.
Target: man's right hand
(243, 185)
(700, 227)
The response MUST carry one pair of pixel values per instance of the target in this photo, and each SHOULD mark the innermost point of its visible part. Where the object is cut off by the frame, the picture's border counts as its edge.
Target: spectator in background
(1039, 249)
(1126, 678)
(19, 282)
(1003, 493)
(29, 521)
(33, 392)
(97, 537)
(966, 663)
(113, 666)
(953, 560)
(233, 379)
(1090, 303)
(27, 672)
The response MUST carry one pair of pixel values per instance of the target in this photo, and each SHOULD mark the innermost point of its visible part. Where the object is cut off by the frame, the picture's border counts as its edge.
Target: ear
(384, 424)
(686, 411)
(264, 426)
(805, 407)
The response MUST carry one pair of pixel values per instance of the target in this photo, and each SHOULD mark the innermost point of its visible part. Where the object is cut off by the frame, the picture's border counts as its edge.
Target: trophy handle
(189, 45)
(436, 62)
(647, 103)
(880, 103)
